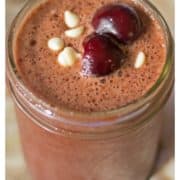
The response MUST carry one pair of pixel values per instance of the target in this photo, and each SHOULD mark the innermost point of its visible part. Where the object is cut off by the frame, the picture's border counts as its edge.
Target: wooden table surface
(15, 165)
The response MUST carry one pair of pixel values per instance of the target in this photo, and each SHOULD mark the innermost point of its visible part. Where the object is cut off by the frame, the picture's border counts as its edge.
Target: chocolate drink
(89, 127)
(66, 87)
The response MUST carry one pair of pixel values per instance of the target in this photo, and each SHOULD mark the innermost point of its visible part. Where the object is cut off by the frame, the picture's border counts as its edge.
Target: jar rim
(83, 117)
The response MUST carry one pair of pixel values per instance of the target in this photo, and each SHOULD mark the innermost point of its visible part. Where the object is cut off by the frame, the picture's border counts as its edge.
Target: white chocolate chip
(71, 19)
(78, 55)
(68, 57)
(56, 44)
(75, 33)
(140, 60)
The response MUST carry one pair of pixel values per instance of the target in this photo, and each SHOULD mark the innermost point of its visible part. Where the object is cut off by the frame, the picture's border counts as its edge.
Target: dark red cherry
(118, 20)
(101, 56)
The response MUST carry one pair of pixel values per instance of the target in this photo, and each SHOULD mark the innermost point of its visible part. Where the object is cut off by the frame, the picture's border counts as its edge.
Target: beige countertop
(15, 166)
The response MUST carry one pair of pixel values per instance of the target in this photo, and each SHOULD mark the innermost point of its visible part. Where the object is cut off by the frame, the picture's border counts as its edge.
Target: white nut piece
(56, 44)
(75, 33)
(68, 57)
(71, 19)
(140, 60)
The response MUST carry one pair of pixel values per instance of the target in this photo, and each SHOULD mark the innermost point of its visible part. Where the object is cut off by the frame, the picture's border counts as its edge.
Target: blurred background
(15, 165)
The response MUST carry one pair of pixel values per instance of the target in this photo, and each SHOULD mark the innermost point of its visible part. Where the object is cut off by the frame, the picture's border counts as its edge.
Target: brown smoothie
(58, 147)
(66, 87)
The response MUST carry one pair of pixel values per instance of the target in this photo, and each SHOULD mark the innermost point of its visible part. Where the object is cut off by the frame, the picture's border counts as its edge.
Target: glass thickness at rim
(84, 117)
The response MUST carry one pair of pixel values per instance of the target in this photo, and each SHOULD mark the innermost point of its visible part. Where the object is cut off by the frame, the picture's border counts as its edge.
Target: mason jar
(60, 144)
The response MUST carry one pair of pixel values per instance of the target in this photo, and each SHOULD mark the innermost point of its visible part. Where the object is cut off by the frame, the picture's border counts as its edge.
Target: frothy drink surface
(66, 87)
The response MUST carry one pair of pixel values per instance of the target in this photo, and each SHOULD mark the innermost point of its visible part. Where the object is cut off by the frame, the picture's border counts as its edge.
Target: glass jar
(117, 144)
